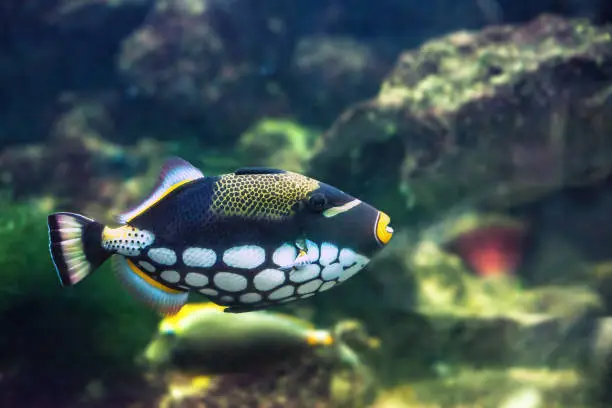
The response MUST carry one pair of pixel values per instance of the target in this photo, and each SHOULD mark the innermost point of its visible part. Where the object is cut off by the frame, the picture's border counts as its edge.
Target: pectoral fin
(306, 255)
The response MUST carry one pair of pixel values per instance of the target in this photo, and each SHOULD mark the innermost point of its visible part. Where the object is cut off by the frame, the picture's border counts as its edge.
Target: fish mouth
(383, 230)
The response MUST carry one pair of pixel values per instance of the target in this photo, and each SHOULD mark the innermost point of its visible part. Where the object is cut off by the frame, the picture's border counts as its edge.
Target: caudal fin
(75, 246)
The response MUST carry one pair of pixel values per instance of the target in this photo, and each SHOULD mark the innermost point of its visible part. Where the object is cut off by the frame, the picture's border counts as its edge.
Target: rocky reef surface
(505, 112)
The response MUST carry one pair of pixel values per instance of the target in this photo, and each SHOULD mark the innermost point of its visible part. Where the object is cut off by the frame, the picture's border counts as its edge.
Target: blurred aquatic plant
(107, 321)
(277, 143)
(23, 242)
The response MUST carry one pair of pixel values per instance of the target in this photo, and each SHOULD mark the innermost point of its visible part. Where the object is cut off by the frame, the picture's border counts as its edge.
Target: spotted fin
(163, 299)
(75, 245)
(175, 173)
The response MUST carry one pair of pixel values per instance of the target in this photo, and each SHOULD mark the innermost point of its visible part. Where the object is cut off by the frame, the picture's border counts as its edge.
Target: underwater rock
(78, 167)
(277, 143)
(50, 46)
(211, 61)
(303, 383)
(328, 74)
(502, 388)
(88, 15)
(511, 110)
(444, 284)
(75, 16)
(475, 319)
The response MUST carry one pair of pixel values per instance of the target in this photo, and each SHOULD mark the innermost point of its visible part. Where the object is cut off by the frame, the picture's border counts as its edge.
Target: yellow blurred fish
(203, 339)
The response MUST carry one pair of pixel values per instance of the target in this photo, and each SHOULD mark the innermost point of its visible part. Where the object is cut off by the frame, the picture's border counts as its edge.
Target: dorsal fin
(258, 170)
(174, 173)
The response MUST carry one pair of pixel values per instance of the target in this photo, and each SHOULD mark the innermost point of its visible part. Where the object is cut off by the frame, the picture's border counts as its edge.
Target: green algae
(23, 237)
(277, 143)
(465, 68)
(99, 308)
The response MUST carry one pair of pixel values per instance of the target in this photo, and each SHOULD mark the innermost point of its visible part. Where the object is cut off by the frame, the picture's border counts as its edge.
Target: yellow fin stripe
(150, 280)
(158, 199)
(172, 323)
(319, 338)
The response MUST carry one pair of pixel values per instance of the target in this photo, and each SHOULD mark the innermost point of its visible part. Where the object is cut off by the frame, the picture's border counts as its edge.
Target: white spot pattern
(282, 292)
(250, 298)
(125, 240)
(209, 292)
(227, 299)
(332, 271)
(305, 273)
(163, 256)
(129, 251)
(289, 299)
(146, 266)
(170, 276)
(313, 251)
(284, 255)
(196, 279)
(268, 279)
(244, 257)
(199, 257)
(309, 287)
(347, 257)
(231, 282)
(329, 253)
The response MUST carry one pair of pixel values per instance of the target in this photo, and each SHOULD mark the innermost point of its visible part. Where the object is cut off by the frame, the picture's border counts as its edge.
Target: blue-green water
(483, 128)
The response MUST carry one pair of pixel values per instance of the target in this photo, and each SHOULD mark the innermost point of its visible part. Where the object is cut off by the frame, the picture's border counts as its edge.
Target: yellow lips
(383, 231)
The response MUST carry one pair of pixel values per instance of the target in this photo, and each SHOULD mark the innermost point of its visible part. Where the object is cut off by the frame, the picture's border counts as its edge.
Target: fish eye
(317, 202)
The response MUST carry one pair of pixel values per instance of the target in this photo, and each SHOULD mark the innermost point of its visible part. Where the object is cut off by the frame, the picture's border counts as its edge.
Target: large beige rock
(511, 110)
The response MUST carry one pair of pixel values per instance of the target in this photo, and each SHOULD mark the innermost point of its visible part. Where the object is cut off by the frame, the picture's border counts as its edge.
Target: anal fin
(174, 173)
(165, 300)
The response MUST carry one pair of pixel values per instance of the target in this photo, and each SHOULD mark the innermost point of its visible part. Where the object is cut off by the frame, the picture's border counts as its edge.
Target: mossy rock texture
(277, 143)
(510, 111)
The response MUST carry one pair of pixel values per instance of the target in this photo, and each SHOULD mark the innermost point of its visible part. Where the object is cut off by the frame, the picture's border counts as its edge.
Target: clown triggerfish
(246, 240)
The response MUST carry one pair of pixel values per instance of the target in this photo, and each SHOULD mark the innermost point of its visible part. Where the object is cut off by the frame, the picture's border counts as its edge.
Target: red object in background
(491, 251)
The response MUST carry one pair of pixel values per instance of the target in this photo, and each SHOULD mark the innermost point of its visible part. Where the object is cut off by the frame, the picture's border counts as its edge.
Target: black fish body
(245, 240)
